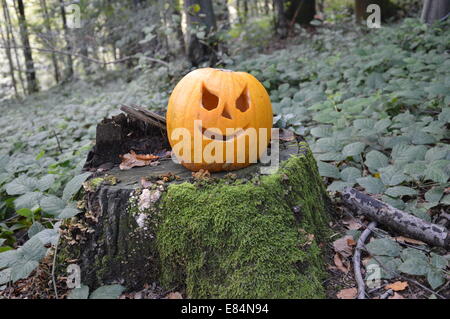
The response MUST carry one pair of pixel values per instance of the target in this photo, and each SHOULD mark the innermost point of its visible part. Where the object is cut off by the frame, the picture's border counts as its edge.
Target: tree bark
(200, 16)
(14, 44)
(69, 68)
(5, 36)
(280, 18)
(32, 85)
(48, 27)
(396, 219)
(435, 10)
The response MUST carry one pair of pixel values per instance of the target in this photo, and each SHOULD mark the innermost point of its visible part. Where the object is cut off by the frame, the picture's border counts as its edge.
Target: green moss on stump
(241, 241)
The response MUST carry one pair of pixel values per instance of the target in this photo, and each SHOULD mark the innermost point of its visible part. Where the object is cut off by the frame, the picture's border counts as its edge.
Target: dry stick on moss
(357, 260)
(396, 219)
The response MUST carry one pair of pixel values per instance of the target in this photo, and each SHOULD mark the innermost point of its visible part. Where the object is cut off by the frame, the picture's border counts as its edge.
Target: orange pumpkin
(212, 118)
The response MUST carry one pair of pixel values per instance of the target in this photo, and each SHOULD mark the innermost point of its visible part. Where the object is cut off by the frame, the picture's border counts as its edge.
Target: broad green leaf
(45, 182)
(353, 149)
(350, 174)
(107, 292)
(438, 261)
(28, 200)
(435, 278)
(79, 293)
(414, 266)
(69, 211)
(376, 160)
(384, 247)
(35, 228)
(399, 191)
(52, 205)
(21, 185)
(74, 185)
(372, 185)
(392, 176)
(328, 170)
(390, 265)
(434, 195)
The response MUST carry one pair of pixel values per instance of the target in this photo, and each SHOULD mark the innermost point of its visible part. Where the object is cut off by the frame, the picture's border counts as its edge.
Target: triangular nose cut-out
(225, 113)
(209, 100)
(243, 101)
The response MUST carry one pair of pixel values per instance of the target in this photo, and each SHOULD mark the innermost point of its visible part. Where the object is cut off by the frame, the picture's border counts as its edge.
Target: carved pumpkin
(231, 106)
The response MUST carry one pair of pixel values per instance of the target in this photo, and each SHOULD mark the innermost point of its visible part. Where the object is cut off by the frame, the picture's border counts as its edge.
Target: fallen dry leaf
(342, 246)
(397, 286)
(349, 293)
(132, 159)
(201, 174)
(351, 242)
(352, 223)
(174, 295)
(339, 264)
(409, 240)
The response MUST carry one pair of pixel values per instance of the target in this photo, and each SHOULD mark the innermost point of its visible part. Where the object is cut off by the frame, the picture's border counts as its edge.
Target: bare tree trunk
(7, 43)
(50, 32)
(280, 18)
(14, 44)
(435, 10)
(266, 6)
(176, 21)
(69, 67)
(200, 15)
(32, 85)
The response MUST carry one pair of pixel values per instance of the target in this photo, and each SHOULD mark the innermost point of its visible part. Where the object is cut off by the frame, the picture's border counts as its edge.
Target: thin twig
(357, 260)
(57, 141)
(387, 294)
(54, 267)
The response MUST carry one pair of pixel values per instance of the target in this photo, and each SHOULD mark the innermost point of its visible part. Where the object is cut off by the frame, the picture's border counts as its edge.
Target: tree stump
(228, 235)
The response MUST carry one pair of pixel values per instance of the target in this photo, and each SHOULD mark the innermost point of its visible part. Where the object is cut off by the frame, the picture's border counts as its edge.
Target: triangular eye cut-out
(243, 101)
(209, 100)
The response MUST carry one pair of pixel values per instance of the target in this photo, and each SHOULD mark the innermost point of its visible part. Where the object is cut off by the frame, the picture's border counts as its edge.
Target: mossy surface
(257, 239)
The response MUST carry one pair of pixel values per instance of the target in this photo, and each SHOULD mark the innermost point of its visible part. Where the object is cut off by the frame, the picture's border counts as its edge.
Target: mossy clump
(258, 239)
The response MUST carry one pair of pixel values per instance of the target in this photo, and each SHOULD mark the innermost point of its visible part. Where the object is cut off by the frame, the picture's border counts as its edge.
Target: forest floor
(374, 107)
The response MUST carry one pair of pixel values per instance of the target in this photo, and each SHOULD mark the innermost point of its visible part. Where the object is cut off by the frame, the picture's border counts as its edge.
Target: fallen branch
(357, 260)
(396, 219)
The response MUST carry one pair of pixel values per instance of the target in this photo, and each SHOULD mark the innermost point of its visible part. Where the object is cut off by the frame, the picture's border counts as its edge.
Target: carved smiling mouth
(219, 137)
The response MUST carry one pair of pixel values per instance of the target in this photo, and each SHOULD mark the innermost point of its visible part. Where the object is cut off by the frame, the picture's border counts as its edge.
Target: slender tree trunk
(177, 24)
(200, 15)
(32, 85)
(245, 10)
(7, 44)
(69, 67)
(280, 19)
(266, 6)
(435, 10)
(14, 44)
(50, 32)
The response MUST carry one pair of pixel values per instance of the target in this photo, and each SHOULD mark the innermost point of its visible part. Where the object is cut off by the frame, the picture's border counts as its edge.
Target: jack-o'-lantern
(219, 120)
